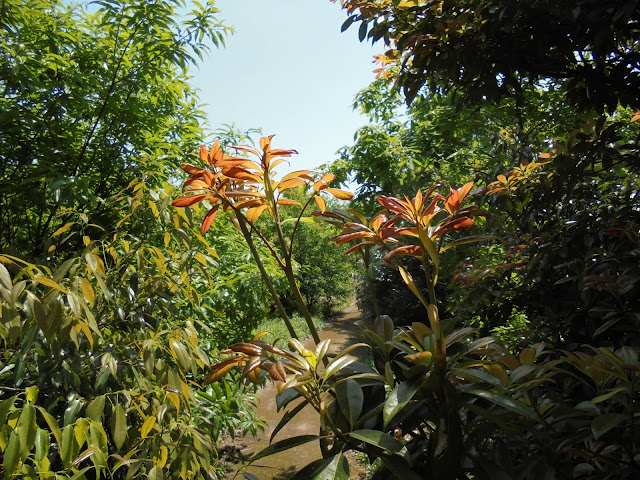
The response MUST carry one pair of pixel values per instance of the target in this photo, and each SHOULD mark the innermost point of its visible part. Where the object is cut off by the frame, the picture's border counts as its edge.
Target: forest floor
(283, 465)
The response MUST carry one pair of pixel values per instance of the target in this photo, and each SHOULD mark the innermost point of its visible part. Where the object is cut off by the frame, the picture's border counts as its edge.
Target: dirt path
(285, 464)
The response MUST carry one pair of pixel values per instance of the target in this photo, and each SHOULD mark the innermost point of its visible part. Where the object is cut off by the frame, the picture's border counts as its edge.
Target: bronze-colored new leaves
(248, 184)
(426, 216)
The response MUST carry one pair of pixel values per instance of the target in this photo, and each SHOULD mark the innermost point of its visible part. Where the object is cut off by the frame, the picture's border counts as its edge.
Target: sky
(289, 71)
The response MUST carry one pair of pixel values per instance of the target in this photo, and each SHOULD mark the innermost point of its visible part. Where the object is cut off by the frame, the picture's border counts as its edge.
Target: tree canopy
(487, 48)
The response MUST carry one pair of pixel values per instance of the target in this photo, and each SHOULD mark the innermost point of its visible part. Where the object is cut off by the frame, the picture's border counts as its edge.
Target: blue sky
(289, 71)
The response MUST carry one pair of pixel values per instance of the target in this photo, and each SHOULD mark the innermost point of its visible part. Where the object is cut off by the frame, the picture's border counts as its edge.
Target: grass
(277, 328)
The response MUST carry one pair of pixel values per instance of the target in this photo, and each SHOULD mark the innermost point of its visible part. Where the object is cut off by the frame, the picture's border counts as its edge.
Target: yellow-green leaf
(49, 283)
(87, 291)
(62, 229)
(147, 426)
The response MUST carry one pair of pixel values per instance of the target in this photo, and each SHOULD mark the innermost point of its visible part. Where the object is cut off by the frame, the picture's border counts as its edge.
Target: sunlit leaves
(238, 183)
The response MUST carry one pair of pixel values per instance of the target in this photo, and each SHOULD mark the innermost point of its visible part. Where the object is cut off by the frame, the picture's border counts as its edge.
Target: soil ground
(284, 465)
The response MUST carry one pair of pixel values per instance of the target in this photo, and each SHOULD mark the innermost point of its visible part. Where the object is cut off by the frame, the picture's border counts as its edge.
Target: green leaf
(27, 428)
(336, 364)
(72, 411)
(608, 395)
(604, 423)
(285, 444)
(95, 410)
(32, 394)
(400, 468)
(351, 400)
(379, 439)
(397, 400)
(52, 423)
(5, 278)
(119, 426)
(287, 417)
(506, 402)
(42, 444)
(335, 467)
(5, 406)
(66, 447)
(11, 455)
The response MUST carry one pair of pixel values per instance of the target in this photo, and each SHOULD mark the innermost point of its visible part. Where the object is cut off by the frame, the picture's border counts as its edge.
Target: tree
(551, 83)
(486, 49)
(91, 96)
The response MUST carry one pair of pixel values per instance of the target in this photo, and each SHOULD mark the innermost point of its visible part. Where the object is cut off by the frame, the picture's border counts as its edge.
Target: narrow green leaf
(604, 423)
(27, 427)
(287, 417)
(399, 397)
(506, 402)
(42, 444)
(119, 426)
(285, 444)
(336, 364)
(608, 395)
(11, 455)
(66, 447)
(52, 423)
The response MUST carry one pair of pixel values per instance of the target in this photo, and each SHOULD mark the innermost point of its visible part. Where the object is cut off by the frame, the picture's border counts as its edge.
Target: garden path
(284, 465)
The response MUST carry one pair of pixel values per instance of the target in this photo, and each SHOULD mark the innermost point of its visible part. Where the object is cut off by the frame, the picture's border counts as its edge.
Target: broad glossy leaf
(351, 400)
(379, 439)
(335, 467)
(155, 474)
(95, 409)
(397, 400)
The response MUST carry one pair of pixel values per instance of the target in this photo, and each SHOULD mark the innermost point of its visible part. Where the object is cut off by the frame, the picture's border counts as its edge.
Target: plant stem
(288, 270)
(265, 275)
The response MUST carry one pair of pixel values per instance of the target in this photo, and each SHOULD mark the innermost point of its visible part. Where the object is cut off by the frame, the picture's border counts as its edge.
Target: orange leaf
(187, 201)
(328, 178)
(347, 237)
(321, 203)
(457, 224)
(298, 174)
(291, 183)
(340, 194)
(255, 212)
(208, 219)
(413, 250)
(286, 201)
